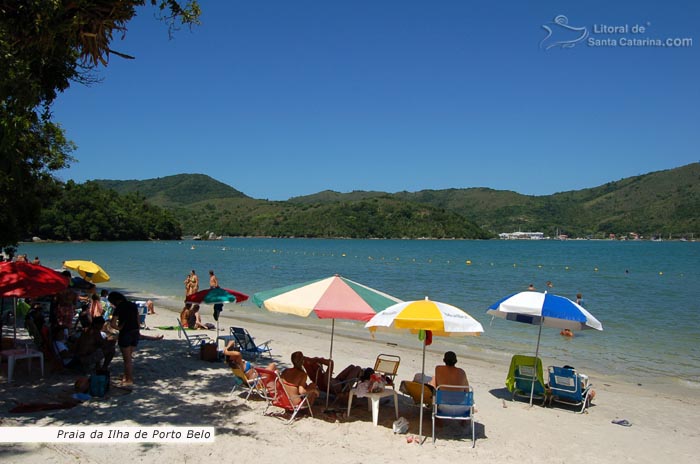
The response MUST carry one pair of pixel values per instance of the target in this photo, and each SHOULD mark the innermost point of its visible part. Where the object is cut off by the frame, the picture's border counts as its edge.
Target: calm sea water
(646, 294)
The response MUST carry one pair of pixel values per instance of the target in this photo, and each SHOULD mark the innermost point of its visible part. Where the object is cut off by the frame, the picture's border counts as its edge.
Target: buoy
(567, 268)
(595, 269)
(469, 263)
(661, 273)
(343, 255)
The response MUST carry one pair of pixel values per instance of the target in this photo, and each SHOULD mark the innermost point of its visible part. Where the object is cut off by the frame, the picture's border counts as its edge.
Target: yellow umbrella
(423, 316)
(87, 270)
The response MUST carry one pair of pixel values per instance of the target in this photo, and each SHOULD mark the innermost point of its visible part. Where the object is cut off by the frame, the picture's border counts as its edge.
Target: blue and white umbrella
(544, 309)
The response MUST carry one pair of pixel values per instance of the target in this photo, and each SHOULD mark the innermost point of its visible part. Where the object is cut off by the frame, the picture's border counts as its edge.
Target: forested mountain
(659, 203)
(90, 212)
(174, 191)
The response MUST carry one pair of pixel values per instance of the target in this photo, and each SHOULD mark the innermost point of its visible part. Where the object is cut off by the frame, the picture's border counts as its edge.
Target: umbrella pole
(330, 363)
(14, 318)
(534, 370)
(422, 391)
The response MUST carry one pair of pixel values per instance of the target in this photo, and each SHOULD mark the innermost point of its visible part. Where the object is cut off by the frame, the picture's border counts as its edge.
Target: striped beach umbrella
(333, 298)
(426, 318)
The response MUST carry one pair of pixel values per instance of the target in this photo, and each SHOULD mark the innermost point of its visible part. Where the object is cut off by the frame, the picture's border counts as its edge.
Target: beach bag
(400, 425)
(208, 352)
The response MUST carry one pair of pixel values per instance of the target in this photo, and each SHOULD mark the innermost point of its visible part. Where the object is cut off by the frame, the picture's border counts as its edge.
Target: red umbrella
(216, 295)
(27, 280)
(20, 279)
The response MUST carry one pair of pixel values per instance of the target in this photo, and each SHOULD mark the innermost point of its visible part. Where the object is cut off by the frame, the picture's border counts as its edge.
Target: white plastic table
(373, 402)
(15, 354)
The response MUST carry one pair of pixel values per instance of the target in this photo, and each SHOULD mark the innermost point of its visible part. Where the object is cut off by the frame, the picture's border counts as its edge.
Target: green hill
(659, 203)
(174, 191)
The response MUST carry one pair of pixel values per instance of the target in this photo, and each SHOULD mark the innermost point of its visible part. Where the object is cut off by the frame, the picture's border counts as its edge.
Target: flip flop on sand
(622, 422)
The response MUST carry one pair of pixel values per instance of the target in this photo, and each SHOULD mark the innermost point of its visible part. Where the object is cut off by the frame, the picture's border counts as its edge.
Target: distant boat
(197, 237)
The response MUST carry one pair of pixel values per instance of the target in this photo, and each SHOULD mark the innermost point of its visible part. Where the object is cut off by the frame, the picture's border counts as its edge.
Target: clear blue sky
(284, 98)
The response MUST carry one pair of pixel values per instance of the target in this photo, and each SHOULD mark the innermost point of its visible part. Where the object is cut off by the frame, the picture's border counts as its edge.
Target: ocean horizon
(641, 291)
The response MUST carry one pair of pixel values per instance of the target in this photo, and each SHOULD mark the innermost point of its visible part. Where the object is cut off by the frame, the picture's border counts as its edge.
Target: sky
(282, 98)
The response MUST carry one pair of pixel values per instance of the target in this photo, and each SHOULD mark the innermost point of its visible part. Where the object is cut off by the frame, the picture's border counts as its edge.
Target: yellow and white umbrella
(87, 270)
(427, 318)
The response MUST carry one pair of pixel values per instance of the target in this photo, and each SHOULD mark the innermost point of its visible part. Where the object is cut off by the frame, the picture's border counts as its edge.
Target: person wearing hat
(449, 374)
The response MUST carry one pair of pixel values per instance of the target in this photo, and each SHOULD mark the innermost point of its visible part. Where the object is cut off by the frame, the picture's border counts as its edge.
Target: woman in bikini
(235, 359)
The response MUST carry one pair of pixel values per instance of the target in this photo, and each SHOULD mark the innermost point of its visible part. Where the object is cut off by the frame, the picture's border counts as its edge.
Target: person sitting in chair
(449, 374)
(294, 381)
(234, 358)
(65, 354)
(315, 370)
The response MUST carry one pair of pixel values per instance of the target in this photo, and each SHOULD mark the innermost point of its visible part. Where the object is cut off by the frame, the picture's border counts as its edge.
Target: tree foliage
(44, 46)
(90, 212)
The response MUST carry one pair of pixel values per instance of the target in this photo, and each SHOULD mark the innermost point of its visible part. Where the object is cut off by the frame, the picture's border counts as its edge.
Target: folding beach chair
(569, 387)
(194, 341)
(388, 365)
(454, 402)
(143, 312)
(412, 389)
(254, 385)
(278, 396)
(524, 370)
(247, 346)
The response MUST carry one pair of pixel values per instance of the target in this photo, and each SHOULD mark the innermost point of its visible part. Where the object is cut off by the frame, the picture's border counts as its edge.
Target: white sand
(175, 389)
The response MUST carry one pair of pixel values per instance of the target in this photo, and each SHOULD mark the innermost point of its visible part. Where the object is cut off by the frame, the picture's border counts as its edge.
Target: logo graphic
(560, 34)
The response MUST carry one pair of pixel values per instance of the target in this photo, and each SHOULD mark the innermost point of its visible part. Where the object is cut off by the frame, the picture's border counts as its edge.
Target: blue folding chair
(454, 402)
(569, 387)
(247, 346)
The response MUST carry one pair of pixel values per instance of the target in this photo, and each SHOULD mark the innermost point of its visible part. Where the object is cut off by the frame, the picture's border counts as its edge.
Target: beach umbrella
(427, 318)
(88, 270)
(332, 298)
(20, 279)
(216, 296)
(544, 310)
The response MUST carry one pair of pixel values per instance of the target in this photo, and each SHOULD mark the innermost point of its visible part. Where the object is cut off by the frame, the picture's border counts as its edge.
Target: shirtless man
(213, 281)
(449, 374)
(294, 381)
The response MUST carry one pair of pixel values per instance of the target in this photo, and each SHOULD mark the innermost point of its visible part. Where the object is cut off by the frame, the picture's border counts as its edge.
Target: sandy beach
(175, 389)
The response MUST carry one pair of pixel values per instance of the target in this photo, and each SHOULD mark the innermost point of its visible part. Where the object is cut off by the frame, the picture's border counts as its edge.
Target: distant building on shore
(521, 236)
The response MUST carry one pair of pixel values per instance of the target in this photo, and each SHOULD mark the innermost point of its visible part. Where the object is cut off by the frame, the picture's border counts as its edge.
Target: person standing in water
(213, 281)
